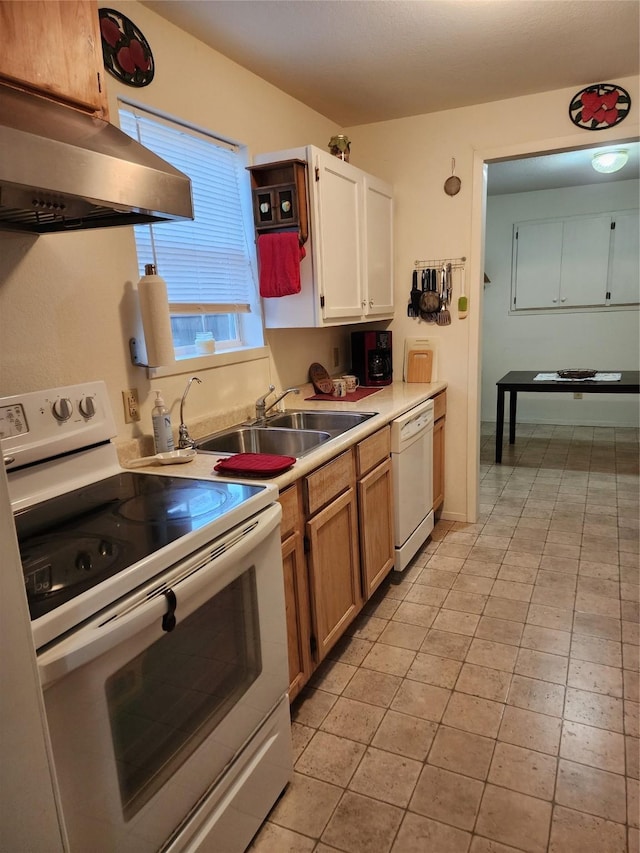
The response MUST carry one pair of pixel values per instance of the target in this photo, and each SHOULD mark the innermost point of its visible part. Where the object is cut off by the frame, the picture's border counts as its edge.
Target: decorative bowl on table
(576, 373)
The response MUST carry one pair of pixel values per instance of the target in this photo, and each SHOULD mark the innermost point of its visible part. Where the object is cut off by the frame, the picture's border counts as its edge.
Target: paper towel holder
(133, 352)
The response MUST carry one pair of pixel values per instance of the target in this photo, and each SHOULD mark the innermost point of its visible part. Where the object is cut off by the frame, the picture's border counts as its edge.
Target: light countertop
(389, 402)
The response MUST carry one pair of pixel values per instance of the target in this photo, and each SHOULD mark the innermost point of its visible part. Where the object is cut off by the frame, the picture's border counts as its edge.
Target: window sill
(207, 362)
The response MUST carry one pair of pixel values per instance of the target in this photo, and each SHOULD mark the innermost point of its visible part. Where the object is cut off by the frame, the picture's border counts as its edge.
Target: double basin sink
(292, 433)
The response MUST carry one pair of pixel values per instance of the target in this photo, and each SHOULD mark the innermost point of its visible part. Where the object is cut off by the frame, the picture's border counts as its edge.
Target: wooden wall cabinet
(347, 276)
(54, 49)
(439, 413)
(375, 509)
(280, 197)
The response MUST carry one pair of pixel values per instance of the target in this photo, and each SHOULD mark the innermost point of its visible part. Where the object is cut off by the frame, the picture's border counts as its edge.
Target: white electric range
(158, 618)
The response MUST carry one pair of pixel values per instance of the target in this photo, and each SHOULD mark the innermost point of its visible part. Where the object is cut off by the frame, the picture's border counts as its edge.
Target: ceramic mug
(352, 383)
(339, 388)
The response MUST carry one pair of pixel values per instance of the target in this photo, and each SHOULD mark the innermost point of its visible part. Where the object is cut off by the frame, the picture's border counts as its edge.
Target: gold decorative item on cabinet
(340, 146)
(279, 193)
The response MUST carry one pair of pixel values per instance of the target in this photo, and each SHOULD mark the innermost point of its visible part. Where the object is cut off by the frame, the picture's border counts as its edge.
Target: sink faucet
(261, 403)
(262, 408)
(184, 439)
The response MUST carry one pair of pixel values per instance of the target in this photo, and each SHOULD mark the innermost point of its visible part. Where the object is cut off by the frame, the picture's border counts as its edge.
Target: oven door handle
(193, 586)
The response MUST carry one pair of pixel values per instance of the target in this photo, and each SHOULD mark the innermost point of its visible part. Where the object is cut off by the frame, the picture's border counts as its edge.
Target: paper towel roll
(156, 322)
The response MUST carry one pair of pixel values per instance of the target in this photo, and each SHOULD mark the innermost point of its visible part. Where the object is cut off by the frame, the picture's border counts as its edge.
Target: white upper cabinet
(337, 234)
(575, 262)
(624, 277)
(585, 260)
(537, 259)
(378, 202)
(347, 274)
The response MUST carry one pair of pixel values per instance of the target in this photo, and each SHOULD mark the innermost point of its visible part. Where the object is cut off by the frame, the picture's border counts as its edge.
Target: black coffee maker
(371, 357)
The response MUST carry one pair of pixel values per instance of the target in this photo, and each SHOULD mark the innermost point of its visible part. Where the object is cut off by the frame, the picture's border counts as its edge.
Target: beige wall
(414, 154)
(67, 302)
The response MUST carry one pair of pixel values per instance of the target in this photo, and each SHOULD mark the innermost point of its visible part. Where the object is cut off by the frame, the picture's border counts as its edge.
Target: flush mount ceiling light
(609, 161)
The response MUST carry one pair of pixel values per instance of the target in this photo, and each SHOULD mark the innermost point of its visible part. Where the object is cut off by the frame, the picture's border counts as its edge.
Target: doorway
(528, 172)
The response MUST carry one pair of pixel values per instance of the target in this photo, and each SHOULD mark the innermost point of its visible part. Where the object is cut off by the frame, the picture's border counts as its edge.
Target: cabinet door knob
(371, 303)
(554, 300)
(564, 299)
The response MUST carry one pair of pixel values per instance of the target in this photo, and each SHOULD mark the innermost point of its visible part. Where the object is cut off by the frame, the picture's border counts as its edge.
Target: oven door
(144, 718)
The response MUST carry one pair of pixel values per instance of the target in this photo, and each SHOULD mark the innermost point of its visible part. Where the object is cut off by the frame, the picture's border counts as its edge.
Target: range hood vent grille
(49, 222)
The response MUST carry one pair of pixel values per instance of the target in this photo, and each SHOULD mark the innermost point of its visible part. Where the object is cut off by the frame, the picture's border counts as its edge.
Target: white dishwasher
(412, 464)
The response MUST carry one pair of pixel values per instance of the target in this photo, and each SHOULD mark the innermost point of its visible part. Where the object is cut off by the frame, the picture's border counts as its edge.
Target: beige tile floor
(487, 699)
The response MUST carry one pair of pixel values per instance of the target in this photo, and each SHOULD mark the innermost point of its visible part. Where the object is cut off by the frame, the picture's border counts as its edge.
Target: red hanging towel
(279, 257)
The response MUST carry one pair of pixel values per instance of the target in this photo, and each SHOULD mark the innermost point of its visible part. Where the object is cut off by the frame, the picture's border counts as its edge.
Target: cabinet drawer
(373, 450)
(291, 511)
(440, 405)
(329, 481)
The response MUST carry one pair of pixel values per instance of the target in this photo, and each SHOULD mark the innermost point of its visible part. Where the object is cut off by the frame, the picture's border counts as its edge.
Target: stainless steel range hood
(62, 170)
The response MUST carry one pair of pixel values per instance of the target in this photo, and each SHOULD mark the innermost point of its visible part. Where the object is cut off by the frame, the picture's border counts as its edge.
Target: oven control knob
(87, 407)
(62, 409)
(83, 561)
(105, 548)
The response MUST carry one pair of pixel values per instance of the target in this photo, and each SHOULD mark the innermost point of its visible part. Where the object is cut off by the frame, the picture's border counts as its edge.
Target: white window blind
(205, 262)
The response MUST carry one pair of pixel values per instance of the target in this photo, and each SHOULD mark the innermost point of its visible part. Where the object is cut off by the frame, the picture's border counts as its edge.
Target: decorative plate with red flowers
(125, 50)
(599, 106)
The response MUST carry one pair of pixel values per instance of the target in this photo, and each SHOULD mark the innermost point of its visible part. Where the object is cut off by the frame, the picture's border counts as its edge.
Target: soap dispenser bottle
(162, 432)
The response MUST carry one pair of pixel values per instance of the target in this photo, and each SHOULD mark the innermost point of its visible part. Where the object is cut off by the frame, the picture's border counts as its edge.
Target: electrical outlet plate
(131, 405)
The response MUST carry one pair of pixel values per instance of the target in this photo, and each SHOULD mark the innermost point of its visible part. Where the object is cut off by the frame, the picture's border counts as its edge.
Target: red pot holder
(254, 465)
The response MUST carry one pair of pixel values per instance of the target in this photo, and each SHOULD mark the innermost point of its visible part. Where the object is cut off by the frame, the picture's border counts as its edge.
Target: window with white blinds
(207, 263)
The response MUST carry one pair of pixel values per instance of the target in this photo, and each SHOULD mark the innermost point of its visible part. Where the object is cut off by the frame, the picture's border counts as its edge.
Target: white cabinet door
(338, 237)
(347, 275)
(624, 274)
(379, 248)
(537, 264)
(585, 261)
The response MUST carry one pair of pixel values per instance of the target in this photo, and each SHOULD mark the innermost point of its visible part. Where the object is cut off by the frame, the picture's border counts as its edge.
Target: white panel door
(339, 235)
(537, 264)
(624, 274)
(379, 247)
(585, 260)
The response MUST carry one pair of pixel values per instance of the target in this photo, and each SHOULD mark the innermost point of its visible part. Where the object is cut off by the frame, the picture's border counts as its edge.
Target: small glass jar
(205, 343)
(340, 146)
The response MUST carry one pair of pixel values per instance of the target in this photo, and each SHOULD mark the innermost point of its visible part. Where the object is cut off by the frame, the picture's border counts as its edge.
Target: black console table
(523, 380)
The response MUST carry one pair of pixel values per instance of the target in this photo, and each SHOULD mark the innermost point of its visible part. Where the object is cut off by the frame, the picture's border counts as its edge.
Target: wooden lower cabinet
(296, 590)
(375, 509)
(440, 408)
(334, 570)
(337, 547)
(375, 505)
(331, 540)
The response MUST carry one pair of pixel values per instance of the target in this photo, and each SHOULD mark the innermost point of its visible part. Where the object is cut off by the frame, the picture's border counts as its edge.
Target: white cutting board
(421, 344)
